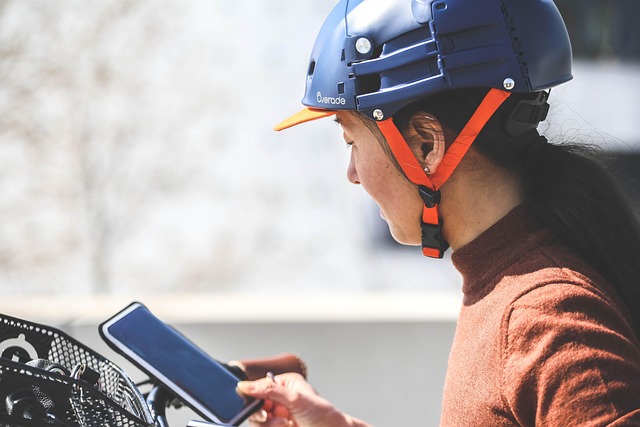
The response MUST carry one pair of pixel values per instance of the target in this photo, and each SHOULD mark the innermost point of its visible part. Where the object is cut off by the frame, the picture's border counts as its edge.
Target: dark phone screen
(181, 362)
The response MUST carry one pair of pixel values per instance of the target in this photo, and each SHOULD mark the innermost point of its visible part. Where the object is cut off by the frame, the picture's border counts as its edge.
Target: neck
(475, 198)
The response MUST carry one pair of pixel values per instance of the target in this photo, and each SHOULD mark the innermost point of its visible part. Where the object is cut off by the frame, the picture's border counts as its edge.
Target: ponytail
(566, 187)
(569, 190)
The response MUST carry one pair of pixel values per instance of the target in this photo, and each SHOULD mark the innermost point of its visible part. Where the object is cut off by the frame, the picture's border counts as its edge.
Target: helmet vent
(369, 83)
(312, 67)
(341, 88)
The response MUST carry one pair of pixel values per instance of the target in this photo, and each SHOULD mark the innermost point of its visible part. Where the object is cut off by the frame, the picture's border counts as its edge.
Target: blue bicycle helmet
(377, 56)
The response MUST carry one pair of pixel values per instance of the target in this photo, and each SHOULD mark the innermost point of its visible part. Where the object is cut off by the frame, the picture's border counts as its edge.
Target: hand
(291, 402)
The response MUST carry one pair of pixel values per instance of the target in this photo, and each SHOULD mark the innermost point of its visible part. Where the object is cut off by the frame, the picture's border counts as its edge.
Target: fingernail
(259, 417)
(278, 421)
(246, 386)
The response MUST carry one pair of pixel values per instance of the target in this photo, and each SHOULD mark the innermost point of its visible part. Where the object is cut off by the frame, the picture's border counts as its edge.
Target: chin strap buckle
(430, 197)
(433, 244)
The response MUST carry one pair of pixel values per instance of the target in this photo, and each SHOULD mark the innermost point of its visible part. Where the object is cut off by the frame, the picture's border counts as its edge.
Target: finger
(279, 422)
(273, 422)
(268, 405)
(267, 389)
(280, 412)
(259, 416)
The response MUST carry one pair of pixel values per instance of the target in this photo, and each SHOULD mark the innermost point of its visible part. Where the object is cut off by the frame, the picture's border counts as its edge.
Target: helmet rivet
(509, 83)
(378, 114)
(363, 45)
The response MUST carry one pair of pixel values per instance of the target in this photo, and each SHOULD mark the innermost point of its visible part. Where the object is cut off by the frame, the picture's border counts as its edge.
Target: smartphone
(164, 354)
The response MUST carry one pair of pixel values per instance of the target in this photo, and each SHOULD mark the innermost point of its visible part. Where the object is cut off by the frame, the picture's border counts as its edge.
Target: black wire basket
(49, 379)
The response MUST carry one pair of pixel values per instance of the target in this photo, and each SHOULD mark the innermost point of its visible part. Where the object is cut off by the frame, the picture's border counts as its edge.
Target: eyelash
(349, 144)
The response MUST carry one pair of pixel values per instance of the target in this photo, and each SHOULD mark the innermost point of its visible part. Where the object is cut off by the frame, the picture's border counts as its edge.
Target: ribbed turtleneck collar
(481, 261)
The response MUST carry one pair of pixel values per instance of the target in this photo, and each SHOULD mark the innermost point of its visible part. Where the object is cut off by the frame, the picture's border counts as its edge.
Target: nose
(352, 173)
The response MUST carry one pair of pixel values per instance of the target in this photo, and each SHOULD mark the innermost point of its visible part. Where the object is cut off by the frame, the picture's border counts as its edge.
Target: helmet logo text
(330, 100)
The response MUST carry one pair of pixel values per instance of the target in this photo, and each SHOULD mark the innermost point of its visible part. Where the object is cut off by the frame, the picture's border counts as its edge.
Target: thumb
(266, 388)
(292, 392)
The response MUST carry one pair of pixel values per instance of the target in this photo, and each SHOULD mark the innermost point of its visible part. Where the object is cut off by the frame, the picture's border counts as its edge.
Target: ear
(425, 137)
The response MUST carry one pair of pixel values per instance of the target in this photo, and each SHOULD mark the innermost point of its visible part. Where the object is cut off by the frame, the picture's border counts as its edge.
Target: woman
(440, 102)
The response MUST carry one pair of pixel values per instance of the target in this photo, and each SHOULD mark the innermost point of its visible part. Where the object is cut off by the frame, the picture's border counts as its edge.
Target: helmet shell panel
(422, 47)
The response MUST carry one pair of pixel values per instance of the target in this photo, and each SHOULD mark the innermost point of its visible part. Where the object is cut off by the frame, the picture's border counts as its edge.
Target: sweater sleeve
(570, 358)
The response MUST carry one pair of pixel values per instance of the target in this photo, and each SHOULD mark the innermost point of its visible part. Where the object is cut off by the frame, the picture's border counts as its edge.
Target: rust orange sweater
(542, 339)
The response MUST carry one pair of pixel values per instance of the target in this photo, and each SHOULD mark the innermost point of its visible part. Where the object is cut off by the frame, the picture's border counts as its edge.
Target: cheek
(402, 213)
(398, 199)
(382, 180)
(377, 178)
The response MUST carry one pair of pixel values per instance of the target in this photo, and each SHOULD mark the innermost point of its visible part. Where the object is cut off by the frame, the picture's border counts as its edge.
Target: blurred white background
(137, 154)
(137, 161)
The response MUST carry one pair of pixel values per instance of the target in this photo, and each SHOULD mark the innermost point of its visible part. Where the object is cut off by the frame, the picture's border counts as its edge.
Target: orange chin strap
(433, 243)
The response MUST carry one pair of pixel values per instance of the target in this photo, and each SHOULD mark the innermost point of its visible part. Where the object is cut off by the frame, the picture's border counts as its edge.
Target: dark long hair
(566, 186)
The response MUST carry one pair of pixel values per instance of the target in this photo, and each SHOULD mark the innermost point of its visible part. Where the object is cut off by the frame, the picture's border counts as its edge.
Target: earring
(427, 170)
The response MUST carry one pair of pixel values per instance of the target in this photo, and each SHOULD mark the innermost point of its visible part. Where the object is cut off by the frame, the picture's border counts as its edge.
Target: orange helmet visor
(306, 115)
